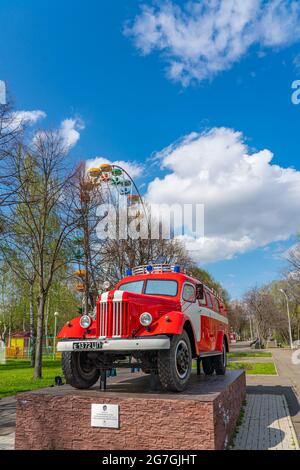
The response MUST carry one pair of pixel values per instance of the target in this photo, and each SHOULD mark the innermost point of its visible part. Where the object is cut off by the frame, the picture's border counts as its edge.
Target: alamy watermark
(157, 221)
(2, 92)
(296, 93)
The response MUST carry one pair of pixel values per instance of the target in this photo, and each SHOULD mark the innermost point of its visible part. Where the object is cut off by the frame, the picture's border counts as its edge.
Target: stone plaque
(105, 416)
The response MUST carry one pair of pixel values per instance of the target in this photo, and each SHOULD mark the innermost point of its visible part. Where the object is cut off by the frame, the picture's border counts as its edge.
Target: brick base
(203, 417)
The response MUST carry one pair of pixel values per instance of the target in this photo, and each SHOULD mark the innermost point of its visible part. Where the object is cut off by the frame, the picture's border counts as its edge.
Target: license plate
(84, 345)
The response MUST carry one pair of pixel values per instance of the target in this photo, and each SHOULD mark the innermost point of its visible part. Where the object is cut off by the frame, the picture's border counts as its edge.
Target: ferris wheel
(114, 186)
(118, 188)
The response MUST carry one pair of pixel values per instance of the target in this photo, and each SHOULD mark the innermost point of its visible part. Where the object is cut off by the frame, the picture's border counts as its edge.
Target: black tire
(220, 362)
(79, 372)
(208, 365)
(175, 364)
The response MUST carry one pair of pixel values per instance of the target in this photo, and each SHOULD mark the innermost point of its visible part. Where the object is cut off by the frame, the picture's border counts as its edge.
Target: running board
(208, 354)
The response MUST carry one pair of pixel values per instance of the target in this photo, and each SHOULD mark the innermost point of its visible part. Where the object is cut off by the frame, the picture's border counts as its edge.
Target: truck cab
(156, 318)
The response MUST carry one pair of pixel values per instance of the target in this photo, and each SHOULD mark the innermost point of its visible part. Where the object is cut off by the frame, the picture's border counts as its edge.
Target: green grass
(254, 368)
(249, 354)
(17, 376)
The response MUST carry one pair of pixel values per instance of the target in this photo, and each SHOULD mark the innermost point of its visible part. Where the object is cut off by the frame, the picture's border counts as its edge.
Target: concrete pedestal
(202, 417)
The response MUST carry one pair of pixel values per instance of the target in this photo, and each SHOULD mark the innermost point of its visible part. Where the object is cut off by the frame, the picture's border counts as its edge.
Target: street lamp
(54, 333)
(288, 314)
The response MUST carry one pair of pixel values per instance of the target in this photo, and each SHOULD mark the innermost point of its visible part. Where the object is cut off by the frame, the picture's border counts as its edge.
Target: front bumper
(111, 344)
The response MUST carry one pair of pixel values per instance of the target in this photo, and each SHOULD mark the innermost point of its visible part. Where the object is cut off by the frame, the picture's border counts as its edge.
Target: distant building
(17, 345)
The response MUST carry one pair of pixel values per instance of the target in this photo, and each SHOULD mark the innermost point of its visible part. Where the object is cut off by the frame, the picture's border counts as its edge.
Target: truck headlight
(146, 319)
(85, 321)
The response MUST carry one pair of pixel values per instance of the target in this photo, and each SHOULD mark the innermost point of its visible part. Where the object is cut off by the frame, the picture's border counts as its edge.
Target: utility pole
(54, 334)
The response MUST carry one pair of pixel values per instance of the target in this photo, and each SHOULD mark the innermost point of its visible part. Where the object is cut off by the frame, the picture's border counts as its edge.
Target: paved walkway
(7, 423)
(286, 368)
(287, 383)
(266, 425)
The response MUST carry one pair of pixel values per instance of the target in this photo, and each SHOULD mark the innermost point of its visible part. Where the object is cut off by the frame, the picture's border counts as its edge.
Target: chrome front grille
(117, 313)
(103, 320)
(111, 319)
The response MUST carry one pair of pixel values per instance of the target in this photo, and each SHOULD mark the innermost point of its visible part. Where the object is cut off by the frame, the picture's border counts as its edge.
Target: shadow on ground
(288, 392)
(266, 423)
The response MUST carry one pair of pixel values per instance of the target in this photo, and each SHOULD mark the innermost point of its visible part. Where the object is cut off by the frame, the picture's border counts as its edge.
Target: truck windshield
(135, 286)
(161, 287)
(152, 287)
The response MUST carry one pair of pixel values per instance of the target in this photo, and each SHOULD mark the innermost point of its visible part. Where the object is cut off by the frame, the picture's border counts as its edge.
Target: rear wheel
(208, 365)
(220, 362)
(78, 369)
(175, 364)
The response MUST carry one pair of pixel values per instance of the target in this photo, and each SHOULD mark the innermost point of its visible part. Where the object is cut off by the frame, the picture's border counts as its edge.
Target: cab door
(215, 323)
(207, 326)
(190, 307)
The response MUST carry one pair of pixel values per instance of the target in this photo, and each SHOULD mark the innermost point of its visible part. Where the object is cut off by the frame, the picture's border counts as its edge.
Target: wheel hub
(85, 365)
(182, 359)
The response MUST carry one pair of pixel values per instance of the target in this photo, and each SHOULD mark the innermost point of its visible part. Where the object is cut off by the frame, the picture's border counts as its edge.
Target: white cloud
(202, 38)
(21, 118)
(249, 201)
(69, 131)
(134, 169)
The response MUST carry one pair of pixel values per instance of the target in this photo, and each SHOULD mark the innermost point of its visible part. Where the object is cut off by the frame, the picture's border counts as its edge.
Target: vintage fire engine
(158, 319)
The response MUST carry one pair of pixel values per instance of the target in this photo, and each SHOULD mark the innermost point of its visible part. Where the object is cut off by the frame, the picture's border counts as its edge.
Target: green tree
(42, 237)
(207, 279)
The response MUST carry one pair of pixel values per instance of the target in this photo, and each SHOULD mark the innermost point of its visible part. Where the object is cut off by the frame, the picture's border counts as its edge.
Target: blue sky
(72, 60)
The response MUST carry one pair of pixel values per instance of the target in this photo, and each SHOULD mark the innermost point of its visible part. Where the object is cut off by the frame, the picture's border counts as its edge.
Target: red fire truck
(157, 318)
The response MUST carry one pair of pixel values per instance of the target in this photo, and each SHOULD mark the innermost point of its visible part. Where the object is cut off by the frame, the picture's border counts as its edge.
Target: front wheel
(175, 364)
(78, 370)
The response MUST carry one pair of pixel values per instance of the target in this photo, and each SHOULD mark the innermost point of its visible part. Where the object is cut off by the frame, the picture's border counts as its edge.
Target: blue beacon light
(149, 268)
(129, 272)
(176, 269)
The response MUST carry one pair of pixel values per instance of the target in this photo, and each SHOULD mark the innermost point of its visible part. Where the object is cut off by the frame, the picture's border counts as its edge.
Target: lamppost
(54, 333)
(289, 318)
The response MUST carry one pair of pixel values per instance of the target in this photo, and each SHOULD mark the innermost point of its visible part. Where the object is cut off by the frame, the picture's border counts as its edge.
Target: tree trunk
(31, 325)
(39, 336)
(46, 325)
(9, 328)
(24, 321)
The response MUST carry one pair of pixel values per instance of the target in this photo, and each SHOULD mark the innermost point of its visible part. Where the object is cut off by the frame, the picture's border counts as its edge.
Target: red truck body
(176, 304)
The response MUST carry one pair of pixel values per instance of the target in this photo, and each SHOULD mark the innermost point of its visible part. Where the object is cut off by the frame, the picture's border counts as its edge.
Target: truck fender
(72, 329)
(171, 323)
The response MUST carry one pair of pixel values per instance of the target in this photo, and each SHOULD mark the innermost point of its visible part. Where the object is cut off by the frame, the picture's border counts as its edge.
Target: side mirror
(199, 292)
